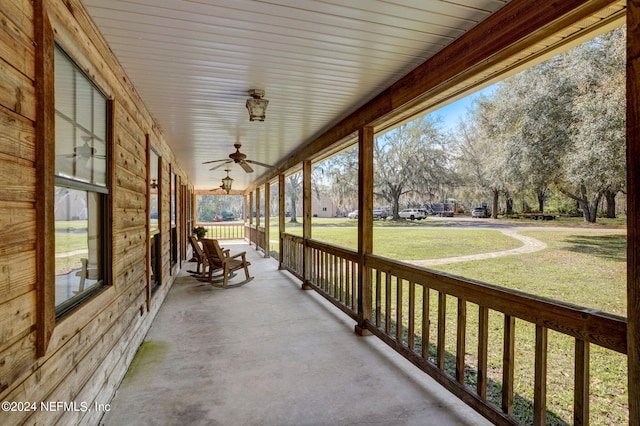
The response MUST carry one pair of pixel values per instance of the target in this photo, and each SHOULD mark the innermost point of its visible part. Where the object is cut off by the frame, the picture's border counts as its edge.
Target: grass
(417, 243)
(580, 266)
(70, 236)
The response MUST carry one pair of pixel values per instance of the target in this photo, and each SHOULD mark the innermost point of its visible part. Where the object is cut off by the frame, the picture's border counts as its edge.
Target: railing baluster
(336, 278)
(412, 316)
(507, 364)
(399, 313)
(425, 322)
(341, 279)
(483, 346)
(461, 339)
(581, 387)
(387, 303)
(354, 282)
(378, 298)
(442, 316)
(540, 386)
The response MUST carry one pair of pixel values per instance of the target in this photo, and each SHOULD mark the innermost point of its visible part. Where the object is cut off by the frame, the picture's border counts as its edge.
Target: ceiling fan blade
(247, 168)
(259, 163)
(215, 161)
(220, 165)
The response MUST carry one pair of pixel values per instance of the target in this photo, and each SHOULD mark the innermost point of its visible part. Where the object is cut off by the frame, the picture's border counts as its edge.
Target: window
(81, 185)
(154, 221)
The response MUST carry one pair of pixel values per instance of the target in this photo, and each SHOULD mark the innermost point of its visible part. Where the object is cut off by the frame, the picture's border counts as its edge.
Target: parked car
(380, 214)
(353, 214)
(480, 212)
(413, 214)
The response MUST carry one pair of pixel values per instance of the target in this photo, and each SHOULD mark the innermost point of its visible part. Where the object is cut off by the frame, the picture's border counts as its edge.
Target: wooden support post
(365, 226)
(257, 208)
(250, 208)
(267, 209)
(245, 209)
(281, 217)
(633, 209)
(306, 222)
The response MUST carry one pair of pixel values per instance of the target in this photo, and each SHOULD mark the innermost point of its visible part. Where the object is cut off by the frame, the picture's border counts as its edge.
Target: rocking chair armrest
(238, 255)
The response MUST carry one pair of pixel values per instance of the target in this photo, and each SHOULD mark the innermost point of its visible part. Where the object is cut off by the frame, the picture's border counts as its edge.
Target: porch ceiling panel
(193, 63)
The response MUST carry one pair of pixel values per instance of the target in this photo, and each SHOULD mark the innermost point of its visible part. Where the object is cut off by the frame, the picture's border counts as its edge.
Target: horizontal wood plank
(17, 139)
(17, 45)
(16, 316)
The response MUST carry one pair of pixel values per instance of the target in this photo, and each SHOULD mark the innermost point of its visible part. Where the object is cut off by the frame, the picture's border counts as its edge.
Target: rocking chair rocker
(217, 259)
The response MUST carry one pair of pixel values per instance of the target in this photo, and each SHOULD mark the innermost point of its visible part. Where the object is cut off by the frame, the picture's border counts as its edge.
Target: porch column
(257, 207)
(633, 209)
(306, 221)
(365, 225)
(281, 217)
(267, 209)
(244, 208)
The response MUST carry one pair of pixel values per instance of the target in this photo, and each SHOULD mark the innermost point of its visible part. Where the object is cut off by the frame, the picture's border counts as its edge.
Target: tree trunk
(294, 214)
(541, 197)
(610, 196)
(509, 202)
(494, 206)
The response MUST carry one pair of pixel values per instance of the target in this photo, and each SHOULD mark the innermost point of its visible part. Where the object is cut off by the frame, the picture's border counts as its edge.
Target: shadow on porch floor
(268, 353)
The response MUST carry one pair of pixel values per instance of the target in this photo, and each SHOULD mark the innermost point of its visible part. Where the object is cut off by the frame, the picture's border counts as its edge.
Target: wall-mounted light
(226, 182)
(256, 105)
(154, 184)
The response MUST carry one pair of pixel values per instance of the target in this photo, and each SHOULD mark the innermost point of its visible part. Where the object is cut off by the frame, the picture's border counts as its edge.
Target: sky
(455, 111)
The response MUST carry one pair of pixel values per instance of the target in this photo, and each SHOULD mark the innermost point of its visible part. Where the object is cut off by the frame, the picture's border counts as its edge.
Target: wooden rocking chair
(199, 256)
(228, 264)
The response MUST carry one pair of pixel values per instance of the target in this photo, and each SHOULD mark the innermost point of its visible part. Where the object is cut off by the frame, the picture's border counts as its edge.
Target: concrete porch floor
(269, 353)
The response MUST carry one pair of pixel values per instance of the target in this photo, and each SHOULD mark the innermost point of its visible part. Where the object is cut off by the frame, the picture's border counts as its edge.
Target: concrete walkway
(529, 245)
(268, 353)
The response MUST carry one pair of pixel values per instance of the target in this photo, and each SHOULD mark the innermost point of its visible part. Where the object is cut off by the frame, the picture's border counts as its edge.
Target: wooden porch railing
(224, 230)
(402, 298)
(257, 236)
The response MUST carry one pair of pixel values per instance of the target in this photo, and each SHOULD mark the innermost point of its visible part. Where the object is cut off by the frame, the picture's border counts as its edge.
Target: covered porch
(270, 353)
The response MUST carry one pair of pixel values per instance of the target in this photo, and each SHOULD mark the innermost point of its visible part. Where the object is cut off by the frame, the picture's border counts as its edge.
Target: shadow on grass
(610, 247)
(522, 407)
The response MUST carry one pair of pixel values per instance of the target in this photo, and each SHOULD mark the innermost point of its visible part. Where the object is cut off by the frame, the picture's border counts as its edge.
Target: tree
(596, 167)
(480, 158)
(559, 124)
(293, 188)
(341, 171)
(410, 159)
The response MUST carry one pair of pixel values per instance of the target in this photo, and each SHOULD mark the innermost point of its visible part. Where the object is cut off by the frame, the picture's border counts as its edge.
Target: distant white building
(323, 206)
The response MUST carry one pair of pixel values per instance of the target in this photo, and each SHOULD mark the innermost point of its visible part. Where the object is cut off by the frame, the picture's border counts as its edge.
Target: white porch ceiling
(193, 62)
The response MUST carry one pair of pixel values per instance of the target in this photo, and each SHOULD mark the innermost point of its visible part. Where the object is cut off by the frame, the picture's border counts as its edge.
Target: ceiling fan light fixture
(257, 106)
(226, 182)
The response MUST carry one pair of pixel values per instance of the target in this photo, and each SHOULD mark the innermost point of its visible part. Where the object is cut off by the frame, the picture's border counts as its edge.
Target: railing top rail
(342, 252)
(294, 238)
(218, 224)
(590, 325)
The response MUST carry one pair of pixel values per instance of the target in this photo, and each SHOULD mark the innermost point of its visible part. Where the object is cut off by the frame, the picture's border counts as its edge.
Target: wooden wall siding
(17, 192)
(90, 350)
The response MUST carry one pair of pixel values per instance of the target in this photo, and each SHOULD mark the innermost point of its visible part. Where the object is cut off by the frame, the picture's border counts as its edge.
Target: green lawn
(417, 243)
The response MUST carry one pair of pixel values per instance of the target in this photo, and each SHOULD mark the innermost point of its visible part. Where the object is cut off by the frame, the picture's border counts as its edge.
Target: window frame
(104, 192)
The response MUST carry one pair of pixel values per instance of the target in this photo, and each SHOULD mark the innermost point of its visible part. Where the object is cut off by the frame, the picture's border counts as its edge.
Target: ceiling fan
(238, 158)
(85, 151)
